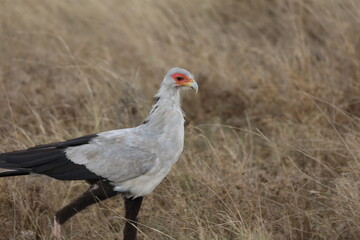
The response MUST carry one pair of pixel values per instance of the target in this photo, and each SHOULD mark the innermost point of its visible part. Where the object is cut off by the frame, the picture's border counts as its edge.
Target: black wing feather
(48, 159)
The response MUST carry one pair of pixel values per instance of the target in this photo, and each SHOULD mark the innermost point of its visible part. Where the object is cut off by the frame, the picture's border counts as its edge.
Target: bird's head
(180, 78)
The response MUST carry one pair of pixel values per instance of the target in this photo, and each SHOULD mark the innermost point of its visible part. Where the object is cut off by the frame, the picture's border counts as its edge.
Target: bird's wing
(111, 155)
(117, 155)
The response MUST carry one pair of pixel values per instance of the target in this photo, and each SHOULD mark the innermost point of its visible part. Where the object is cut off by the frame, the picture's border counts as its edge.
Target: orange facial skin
(181, 79)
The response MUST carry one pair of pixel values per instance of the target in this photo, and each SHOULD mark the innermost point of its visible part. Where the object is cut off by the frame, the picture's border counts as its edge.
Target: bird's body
(140, 157)
(130, 161)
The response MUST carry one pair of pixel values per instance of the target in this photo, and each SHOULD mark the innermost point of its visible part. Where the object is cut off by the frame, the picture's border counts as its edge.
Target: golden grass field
(272, 141)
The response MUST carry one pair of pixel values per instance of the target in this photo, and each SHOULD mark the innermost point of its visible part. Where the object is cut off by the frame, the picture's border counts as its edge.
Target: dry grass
(272, 145)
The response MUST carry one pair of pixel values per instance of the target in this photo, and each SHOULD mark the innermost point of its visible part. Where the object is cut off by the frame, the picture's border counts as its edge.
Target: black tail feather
(31, 158)
(13, 173)
(48, 159)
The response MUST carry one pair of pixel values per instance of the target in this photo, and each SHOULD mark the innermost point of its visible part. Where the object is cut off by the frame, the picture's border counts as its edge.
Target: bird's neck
(170, 94)
(166, 111)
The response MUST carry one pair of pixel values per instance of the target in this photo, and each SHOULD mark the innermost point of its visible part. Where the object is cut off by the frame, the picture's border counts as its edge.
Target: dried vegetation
(272, 147)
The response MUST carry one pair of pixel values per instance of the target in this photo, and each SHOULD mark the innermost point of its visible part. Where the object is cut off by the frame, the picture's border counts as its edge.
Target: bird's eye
(179, 78)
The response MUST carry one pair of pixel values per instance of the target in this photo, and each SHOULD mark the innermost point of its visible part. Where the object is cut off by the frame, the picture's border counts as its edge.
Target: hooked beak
(192, 84)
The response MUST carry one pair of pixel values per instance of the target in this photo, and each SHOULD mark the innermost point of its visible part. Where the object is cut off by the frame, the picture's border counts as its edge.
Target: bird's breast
(146, 183)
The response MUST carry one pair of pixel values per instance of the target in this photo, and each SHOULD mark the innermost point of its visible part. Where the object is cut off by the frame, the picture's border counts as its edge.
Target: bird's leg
(92, 181)
(96, 193)
(132, 208)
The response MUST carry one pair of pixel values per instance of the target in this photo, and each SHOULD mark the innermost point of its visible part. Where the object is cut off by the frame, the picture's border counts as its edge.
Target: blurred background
(272, 137)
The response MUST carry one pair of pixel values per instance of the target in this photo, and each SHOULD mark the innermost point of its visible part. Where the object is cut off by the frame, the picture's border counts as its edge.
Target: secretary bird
(131, 161)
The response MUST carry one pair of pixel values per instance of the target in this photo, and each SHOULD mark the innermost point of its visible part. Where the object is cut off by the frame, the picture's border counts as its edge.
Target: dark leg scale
(96, 193)
(99, 191)
(132, 208)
